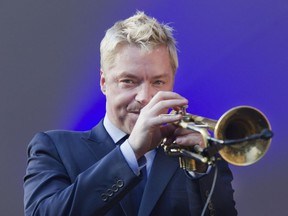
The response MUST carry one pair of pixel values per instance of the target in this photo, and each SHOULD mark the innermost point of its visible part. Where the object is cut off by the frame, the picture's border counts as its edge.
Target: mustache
(134, 108)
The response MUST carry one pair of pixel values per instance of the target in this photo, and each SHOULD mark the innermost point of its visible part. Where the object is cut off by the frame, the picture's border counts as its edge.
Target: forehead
(131, 58)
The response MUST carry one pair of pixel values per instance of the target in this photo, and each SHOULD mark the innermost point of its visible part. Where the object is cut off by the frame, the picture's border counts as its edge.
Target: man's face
(135, 77)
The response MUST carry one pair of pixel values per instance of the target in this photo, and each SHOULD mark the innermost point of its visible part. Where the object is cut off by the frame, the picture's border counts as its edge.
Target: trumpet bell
(240, 122)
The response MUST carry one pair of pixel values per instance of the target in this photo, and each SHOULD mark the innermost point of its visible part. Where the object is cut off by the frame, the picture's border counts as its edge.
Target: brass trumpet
(242, 136)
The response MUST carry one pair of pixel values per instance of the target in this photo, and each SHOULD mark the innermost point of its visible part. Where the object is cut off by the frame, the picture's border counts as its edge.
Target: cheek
(119, 98)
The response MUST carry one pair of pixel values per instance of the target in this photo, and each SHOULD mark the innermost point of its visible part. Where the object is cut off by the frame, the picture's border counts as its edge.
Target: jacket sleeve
(49, 190)
(222, 202)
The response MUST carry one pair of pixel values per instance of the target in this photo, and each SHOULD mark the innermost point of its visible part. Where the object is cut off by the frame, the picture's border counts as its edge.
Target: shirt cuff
(196, 175)
(134, 164)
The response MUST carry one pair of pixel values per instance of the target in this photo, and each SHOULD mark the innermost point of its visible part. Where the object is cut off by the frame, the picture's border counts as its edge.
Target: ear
(102, 82)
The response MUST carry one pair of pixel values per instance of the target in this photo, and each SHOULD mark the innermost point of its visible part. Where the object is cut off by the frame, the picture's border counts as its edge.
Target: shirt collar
(115, 133)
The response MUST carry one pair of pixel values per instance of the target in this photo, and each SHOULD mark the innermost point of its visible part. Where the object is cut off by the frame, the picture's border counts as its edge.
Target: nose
(144, 93)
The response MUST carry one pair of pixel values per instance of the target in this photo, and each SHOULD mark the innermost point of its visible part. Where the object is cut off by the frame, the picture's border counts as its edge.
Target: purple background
(231, 53)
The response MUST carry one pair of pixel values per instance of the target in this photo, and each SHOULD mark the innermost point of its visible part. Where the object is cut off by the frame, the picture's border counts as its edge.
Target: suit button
(210, 206)
(104, 197)
(109, 192)
(115, 188)
(120, 183)
(211, 209)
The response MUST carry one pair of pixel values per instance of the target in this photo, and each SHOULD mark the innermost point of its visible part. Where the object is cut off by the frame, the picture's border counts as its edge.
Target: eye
(159, 82)
(127, 81)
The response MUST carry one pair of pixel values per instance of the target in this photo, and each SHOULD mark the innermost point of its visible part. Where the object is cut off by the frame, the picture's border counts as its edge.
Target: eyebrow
(160, 76)
(131, 75)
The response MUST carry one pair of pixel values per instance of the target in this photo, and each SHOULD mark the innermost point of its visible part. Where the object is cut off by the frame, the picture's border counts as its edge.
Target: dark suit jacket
(85, 173)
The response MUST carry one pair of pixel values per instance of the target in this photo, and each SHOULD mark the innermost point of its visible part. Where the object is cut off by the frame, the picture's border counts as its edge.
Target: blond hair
(139, 30)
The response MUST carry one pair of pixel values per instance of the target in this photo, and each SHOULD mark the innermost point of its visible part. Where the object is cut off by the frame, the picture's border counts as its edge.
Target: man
(88, 173)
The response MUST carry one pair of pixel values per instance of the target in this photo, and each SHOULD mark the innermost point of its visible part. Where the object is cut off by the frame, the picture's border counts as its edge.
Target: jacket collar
(99, 141)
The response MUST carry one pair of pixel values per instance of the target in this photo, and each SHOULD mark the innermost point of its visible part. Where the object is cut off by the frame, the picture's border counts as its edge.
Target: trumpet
(241, 136)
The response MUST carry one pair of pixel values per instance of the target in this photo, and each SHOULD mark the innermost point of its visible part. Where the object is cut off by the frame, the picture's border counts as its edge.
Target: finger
(167, 131)
(182, 131)
(166, 99)
(163, 106)
(190, 140)
(166, 118)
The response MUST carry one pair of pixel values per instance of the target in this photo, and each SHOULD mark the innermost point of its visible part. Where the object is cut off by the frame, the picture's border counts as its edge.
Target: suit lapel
(128, 209)
(99, 142)
(162, 170)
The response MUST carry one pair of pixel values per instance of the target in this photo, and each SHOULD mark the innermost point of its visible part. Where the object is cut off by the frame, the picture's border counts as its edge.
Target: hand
(150, 126)
(188, 138)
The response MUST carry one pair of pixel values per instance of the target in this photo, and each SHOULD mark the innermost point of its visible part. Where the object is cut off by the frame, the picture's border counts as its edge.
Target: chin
(130, 121)
(131, 125)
